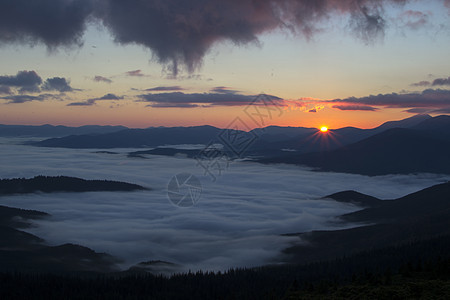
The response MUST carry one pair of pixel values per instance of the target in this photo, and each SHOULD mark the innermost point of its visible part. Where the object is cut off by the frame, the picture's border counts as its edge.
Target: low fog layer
(236, 223)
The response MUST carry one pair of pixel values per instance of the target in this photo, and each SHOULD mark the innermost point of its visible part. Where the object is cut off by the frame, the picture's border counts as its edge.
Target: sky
(145, 63)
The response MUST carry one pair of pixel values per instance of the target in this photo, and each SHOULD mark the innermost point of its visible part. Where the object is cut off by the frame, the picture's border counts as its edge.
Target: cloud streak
(436, 82)
(102, 79)
(223, 90)
(22, 98)
(17, 99)
(355, 107)
(165, 88)
(92, 101)
(183, 100)
(430, 98)
(135, 73)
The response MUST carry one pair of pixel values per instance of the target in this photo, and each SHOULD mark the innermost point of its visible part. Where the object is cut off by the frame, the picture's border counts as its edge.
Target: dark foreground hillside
(399, 257)
(25, 252)
(419, 281)
(410, 271)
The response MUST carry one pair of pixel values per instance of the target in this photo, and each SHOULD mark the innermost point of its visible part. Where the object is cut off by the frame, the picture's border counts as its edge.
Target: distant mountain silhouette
(410, 122)
(308, 140)
(54, 131)
(268, 141)
(48, 184)
(438, 127)
(136, 138)
(416, 144)
(426, 148)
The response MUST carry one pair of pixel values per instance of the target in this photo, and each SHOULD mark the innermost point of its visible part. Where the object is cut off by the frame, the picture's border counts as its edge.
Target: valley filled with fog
(237, 222)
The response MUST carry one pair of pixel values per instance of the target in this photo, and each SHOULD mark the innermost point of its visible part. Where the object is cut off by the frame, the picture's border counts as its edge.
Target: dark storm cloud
(59, 84)
(433, 98)
(436, 82)
(23, 79)
(102, 79)
(441, 81)
(179, 99)
(165, 88)
(29, 89)
(355, 107)
(181, 32)
(5, 90)
(421, 83)
(52, 22)
(92, 101)
(367, 23)
(30, 82)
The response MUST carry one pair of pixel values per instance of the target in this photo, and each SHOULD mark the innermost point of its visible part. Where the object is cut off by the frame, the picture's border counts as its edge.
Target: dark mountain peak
(394, 151)
(354, 197)
(405, 123)
(426, 202)
(438, 122)
(347, 128)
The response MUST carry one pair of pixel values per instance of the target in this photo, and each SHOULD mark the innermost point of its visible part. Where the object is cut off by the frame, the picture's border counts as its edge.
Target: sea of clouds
(237, 222)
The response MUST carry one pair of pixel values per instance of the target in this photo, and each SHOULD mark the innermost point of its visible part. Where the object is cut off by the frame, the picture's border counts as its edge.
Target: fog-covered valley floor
(237, 221)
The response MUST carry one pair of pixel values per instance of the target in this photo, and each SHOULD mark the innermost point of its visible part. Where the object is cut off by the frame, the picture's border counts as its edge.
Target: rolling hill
(52, 184)
(22, 251)
(413, 218)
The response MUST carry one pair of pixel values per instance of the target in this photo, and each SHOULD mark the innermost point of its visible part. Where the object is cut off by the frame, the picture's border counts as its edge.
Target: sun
(324, 128)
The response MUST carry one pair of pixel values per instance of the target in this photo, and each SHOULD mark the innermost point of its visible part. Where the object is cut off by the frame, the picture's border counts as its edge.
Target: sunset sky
(182, 63)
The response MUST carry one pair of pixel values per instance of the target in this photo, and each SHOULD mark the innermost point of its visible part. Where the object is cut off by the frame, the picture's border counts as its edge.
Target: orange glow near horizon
(136, 115)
